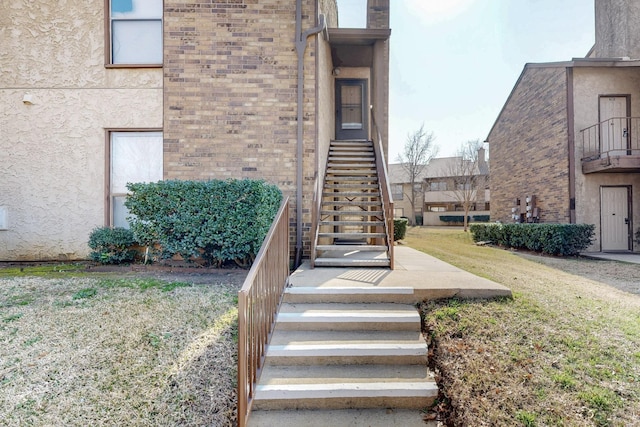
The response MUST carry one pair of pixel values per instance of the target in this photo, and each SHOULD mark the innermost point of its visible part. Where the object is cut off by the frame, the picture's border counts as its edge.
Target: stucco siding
(52, 179)
(589, 84)
(529, 147)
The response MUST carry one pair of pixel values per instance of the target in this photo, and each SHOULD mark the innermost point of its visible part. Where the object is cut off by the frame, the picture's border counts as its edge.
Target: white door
(614, 129)
(614, 218)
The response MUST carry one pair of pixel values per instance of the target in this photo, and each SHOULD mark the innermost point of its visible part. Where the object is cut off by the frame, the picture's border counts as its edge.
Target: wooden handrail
(258, 303)
(385, 188)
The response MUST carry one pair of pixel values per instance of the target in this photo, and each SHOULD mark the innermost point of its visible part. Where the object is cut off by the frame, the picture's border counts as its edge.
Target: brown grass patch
(563, 352)
(110, 351)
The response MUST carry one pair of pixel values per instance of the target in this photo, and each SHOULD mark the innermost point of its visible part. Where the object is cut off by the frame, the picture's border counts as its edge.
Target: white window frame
(114, 19)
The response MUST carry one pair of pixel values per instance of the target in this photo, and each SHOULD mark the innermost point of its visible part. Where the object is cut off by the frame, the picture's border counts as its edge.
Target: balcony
(611, 146)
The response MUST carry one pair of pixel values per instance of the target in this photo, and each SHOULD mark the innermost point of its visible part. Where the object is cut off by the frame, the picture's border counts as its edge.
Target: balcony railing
(611, 145)
(258, 303)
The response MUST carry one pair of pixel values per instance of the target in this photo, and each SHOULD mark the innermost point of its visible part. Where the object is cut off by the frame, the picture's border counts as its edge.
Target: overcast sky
(454, 62)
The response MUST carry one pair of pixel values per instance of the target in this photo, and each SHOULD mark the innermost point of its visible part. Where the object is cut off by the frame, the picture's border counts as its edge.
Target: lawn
(80, 349)
(565, 351)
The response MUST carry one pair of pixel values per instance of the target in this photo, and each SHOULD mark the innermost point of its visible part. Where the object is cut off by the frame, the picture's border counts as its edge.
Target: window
(135, 157)
(437, 209)
(135, 32)
(396, 191)
(438, 186)
(463, 186)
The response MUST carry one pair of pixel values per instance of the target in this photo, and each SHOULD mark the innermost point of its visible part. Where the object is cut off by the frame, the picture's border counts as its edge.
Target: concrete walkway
(630, 257)
(347, 349)
(426, 276)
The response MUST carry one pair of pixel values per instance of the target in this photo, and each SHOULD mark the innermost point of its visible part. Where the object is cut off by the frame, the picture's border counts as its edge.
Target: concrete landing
(429, 277)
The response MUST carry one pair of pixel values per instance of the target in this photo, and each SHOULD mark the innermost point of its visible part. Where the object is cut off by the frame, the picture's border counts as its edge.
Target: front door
(351, 109)
(614, 130)
(614, 218)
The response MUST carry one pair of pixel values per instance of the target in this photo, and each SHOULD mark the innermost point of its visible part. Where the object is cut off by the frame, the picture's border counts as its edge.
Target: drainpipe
(301, 47)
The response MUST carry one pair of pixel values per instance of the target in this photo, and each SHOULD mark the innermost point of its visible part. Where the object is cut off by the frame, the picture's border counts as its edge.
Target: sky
(454, 62)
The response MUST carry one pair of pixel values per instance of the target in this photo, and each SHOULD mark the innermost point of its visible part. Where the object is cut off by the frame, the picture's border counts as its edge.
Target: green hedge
(399, 228)
(112, 245)
(216, 220)
(553, 239)
(454, 218)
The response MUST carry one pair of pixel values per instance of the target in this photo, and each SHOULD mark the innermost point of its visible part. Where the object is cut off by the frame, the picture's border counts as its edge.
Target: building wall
(589, 83)
(52, 153)
(617, 28)
(230, 83)
(529, 147)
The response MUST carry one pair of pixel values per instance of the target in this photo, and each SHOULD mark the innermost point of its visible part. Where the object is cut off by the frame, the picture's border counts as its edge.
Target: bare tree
(466, 175)
(418, 151)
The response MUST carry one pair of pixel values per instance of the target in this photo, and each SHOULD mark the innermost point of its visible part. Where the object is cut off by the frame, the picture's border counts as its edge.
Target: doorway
(351, 109)
(614, 128)
(615, 218)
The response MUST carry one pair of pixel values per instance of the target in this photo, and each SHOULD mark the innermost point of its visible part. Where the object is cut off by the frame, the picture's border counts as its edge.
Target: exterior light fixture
(27, 99)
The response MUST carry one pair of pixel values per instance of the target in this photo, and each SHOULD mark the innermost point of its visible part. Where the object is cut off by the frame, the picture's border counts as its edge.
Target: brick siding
(230, 82)
(529, 148)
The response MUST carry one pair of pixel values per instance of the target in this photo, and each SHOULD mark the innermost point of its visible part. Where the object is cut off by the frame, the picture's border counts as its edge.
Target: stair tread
(345, 203)
(341, 262)
(350, 185)
(372, 417)
(364, 248)
(274, 374)
(281, 337)
(355, 223)
(352, 235)
(348, 212)
(358, 309)
(344, 390)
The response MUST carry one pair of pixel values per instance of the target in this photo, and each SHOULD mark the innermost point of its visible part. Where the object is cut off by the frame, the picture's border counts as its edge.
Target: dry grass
(85, 350)
(565, 351)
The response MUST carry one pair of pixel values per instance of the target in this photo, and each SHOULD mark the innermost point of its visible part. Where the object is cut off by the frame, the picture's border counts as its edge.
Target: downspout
(301, 47)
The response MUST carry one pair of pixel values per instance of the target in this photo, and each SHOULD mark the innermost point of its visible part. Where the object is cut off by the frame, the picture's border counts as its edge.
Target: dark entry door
(351, 109)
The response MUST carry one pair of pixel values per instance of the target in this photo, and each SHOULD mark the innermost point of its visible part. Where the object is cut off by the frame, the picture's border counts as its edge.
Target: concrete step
(350, 262)
(344, 373)
(341, 317)
(353, 223)
(369, 165)
(374, 417)
(353, 348)
(349, 212)
(366, 179)
(353, 194)
(355, 185)
(351, 248)
(345, 171)
(349, 236)
(349, 294)
(415, 395)
(328, 203)
(359, 158)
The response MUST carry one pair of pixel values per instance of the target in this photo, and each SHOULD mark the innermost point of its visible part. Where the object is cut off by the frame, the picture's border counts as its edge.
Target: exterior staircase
(352, 230)
(359, 361)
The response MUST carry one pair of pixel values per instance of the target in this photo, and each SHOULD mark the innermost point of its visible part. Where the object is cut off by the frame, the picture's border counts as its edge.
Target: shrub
(399, 228)
(112, 245)
(217, 221)
(553, 239)
(453, 218)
